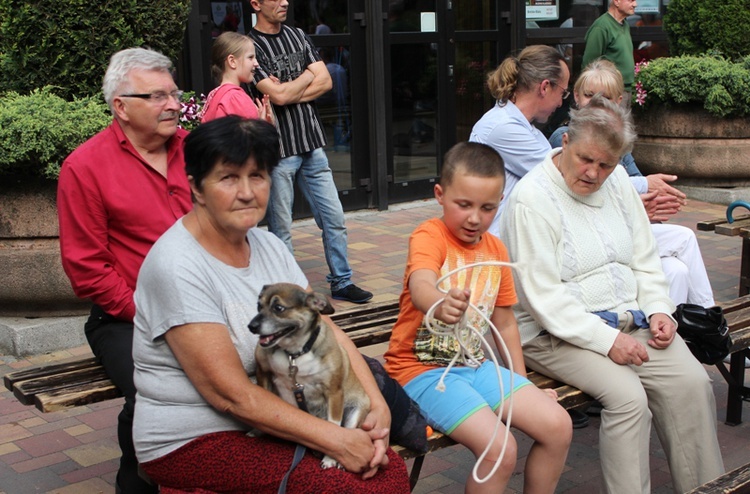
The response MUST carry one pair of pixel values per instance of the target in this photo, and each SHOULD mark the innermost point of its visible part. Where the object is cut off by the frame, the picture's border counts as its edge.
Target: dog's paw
(329, 462)
(255, 433)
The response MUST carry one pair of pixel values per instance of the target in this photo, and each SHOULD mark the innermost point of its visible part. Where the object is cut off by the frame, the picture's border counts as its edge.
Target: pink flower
(190, 111)
(640, 93)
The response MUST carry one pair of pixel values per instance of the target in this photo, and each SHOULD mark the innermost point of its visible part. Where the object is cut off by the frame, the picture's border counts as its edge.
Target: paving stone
(8, 448)
(41, 480)
(90, 486)
(92, 454)
(32, 422)
(39, 462)
(49, 442)
(78, 430)
(105, 469)
(12, 432)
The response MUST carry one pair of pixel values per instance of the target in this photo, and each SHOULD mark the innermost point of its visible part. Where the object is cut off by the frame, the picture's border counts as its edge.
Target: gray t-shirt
(181, 283)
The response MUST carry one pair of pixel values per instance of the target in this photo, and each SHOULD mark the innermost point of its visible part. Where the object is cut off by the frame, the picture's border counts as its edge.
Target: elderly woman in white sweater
(594, 309)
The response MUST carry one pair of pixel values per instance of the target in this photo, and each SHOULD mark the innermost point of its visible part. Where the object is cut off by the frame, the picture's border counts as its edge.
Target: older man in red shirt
(117, 193)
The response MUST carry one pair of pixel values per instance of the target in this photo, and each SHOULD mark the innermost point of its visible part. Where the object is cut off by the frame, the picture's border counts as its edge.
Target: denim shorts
(467, 390)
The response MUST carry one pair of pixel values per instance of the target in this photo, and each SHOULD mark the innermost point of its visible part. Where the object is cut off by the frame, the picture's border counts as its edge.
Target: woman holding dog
(197, 291)
(594, 309)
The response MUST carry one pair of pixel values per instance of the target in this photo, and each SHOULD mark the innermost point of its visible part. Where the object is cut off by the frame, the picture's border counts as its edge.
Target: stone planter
(699, 148)
(34, 284)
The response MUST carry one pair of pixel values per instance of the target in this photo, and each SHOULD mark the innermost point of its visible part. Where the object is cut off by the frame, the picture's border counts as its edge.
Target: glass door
(479, 46)
(415, 59)
(440, 54)
(328, 23)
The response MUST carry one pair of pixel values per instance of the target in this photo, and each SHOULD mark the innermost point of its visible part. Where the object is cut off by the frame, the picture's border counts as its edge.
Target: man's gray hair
(604, 121)
(116, 78)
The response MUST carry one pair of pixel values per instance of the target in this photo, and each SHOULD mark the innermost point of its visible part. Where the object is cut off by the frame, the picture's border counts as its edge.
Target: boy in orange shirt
(469, 192)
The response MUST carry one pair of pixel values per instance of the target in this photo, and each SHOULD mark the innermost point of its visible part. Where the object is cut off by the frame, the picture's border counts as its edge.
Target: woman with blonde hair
(233, 63)
(527, 88)
(600, 76)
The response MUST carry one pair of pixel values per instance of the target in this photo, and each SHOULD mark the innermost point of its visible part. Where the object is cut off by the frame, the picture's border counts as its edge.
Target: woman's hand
(663, 330)
(356, 448)
(264, 109)
(628, 351)
(379, 437)
(363, 451)
(377, 424)
(660, 207)
(453, 306)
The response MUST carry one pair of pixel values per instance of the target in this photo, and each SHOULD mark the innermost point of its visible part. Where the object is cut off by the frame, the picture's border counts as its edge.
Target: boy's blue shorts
(467, 390)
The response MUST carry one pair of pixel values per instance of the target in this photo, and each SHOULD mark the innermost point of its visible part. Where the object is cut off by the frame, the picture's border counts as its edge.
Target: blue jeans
(315, 179)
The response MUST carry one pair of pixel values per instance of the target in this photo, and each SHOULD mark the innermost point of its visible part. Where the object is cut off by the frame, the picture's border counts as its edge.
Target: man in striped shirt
(292, 73)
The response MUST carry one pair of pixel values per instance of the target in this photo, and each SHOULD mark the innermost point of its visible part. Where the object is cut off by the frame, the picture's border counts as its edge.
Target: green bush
(39, 130)
(719, 85)
(67, 43)
(699, 26)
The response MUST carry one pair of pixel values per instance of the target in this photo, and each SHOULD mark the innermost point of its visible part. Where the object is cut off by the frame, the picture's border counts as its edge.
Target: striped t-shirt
(286, 55)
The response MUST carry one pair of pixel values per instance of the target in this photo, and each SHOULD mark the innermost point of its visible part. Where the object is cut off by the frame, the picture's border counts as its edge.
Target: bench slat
(736, 304)
(569, 397)
(25, 391)
(357, 325)
(371, 310)
(542, 381)
(732, 229)
(735, 482)
(371, 336)
(709, 225)
(435, 442)
(47, 370)
(78, 395)
(739, 329)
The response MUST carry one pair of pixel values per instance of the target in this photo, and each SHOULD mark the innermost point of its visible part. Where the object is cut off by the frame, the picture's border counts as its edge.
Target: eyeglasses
(158, 97)
(565, 93)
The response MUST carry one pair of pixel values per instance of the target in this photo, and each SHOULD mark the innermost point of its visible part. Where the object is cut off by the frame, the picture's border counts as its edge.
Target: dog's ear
(262, 291)
(319, 303)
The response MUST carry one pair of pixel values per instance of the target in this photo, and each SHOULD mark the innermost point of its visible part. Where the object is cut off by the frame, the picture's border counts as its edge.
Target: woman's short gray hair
(122, 62)
(605, 121)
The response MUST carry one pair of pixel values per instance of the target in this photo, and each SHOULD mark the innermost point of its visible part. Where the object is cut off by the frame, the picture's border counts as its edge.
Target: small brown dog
(299, 359)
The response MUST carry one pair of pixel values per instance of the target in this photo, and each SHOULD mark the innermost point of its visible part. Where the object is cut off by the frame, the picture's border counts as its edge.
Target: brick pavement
(75, 451)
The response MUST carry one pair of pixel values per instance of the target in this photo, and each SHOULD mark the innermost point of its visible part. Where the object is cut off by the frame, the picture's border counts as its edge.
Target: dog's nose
(254, 325)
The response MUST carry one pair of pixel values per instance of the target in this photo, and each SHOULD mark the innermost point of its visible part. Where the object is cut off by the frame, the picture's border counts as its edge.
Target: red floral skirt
(232, 462)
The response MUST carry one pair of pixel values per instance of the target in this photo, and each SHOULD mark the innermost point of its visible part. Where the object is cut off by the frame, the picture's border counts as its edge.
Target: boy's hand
(551, 393)
(453, 306)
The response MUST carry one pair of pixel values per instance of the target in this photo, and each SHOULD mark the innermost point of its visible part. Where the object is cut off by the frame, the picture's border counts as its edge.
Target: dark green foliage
(721, 86)
(39, 130)
(67, 43)
(699, 26)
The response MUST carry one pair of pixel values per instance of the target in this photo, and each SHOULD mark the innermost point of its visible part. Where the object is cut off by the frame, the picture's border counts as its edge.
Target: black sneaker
(352, 293)
(579, 419)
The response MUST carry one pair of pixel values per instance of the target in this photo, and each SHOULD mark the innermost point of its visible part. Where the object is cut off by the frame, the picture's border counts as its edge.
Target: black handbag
(705, 331)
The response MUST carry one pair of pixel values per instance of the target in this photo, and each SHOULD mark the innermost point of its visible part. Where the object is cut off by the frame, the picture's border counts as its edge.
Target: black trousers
(111, 340)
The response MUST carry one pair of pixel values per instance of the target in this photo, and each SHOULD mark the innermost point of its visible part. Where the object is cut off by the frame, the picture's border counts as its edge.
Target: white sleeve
(533, 240)
(640, 184)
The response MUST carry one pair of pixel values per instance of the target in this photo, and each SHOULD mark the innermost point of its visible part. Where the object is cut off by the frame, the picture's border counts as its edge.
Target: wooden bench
(736, 481)
(81, 382)
(737, 312)
(738, 316)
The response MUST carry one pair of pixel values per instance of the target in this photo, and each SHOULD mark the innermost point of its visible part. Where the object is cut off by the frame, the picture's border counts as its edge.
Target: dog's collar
(308, 346)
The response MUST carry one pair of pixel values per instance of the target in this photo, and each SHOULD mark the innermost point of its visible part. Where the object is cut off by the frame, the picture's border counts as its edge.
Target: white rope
(464, 352)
